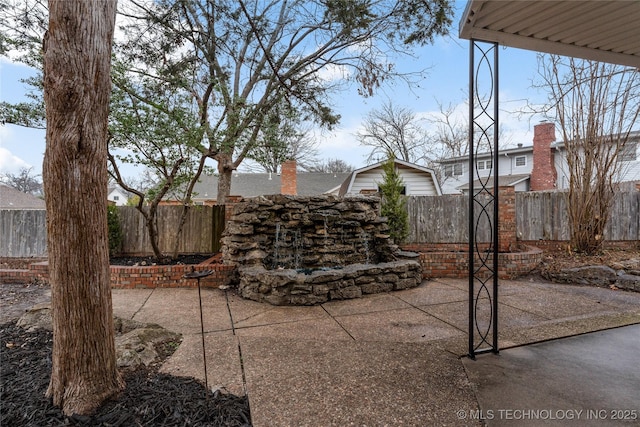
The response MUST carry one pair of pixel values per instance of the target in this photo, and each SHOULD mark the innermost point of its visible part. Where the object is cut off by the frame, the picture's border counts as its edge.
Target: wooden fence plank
(23, 233)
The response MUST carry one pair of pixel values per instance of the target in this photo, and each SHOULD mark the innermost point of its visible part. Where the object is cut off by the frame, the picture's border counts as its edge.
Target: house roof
(348, 182)
(634, 136)
(503, 181)
(258, 184)
(604, 31)
(10, 198)
(488, 154)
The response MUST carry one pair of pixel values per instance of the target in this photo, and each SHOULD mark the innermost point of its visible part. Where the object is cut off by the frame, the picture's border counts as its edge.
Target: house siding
(506, 166)
(417, 183)
(629, 170)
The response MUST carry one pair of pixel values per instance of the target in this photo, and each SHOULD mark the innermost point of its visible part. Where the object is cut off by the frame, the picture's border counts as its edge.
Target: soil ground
(561, 260)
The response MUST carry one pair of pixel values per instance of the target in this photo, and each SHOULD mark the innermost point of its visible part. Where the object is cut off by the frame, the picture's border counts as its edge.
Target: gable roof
(259, 184)
(488, 154)
(503, 181)
(10, 198)
(598, 30)
(348, 182)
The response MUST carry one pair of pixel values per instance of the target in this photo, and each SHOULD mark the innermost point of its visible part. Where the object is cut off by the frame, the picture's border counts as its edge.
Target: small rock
(628, 282)
(37, 317)
(137, 343)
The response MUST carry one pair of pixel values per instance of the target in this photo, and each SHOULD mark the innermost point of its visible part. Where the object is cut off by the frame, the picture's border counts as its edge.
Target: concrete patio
(386, 359)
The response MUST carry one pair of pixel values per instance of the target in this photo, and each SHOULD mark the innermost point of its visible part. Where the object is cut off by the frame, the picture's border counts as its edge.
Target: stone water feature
(309, 250)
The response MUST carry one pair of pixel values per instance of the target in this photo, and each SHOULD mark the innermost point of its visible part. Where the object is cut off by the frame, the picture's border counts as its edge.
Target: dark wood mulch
(150, 260)
(150, 398)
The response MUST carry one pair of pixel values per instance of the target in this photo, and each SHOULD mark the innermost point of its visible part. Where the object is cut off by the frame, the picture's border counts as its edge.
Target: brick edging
(131, 277)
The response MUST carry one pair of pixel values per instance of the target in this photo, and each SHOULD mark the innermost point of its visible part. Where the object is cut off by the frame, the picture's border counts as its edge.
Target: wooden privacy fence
(539, 216)
(432, 219)
(543, 216)
(23, 233)
(444, 219)
(201, 232)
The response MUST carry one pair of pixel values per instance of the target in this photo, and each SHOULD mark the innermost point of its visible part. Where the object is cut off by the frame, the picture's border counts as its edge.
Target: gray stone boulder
(598, 275)
(136, 343)
(144, 345)
(629, 282)
(37, 317)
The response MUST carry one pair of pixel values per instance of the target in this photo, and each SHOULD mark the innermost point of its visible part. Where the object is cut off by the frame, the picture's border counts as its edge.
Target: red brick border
(124, 277)
(452, 260)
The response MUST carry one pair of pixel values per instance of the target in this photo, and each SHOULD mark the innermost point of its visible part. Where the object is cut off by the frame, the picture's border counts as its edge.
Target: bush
(394, 204)
(115, 232)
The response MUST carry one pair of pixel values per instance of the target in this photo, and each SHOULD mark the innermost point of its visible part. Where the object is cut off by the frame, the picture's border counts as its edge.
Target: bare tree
(331, 166)
(596, 106)
(448, 134)
(393, 130)
(23, 181)
(77, 58)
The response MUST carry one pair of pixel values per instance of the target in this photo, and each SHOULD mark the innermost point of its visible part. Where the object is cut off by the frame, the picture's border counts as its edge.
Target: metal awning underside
(607, 31)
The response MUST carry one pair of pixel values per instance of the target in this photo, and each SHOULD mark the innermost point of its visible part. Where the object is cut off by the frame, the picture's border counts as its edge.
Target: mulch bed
(150, 398)
(150, 260)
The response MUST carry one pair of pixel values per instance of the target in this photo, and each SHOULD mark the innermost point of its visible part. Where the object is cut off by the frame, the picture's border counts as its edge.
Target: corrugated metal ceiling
(604, 30)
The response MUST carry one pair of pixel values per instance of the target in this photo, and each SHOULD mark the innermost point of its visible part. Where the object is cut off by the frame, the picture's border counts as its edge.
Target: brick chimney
(543, 174)
(288, 179)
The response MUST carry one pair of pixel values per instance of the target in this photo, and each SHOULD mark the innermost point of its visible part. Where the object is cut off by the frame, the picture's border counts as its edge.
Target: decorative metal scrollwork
(483, 199)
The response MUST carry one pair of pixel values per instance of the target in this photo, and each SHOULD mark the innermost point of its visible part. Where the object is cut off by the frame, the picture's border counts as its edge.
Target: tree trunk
(225, 172)
(77, 56)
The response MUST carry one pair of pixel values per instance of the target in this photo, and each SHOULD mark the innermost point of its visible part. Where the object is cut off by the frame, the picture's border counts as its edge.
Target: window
(403, 191)
(521, 161)
(484, 164)
(451, 170)
(116, 198)
(627, 152)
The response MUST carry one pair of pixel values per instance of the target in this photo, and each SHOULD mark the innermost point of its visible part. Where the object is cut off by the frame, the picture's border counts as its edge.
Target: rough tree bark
(77, 56)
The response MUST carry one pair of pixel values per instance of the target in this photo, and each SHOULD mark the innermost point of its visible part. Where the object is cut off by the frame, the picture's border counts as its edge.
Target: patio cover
(604, 30)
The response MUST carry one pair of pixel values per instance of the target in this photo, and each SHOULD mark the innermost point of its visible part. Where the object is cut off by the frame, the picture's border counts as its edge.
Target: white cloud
(516, 127)
(333, 72)
(10, 163)
(341, 143)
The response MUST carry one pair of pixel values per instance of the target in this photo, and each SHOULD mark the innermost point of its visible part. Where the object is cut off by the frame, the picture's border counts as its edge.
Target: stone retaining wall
(309, 250)
(290, 287)
(281, 231)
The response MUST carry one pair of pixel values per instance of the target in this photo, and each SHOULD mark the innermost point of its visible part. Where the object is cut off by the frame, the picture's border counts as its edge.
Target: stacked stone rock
(308, 250)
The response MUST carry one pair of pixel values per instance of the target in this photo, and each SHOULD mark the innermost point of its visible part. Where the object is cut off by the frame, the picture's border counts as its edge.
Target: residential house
(289, 181)
(10, 198)
(117, 195)
(541, 166)
(418, 180)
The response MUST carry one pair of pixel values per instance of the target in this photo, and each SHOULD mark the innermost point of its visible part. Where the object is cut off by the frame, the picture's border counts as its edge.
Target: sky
(446, 83)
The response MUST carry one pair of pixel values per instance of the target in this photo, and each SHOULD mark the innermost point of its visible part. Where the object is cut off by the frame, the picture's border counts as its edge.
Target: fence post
(507, 223)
